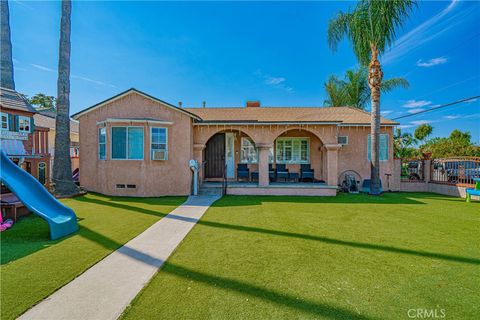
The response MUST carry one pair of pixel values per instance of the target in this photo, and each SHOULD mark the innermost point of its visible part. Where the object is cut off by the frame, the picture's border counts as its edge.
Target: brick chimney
(253, 104)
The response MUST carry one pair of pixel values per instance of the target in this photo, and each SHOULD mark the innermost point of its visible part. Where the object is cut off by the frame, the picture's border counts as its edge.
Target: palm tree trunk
(6, 76)
(62, 168)
(375, 76)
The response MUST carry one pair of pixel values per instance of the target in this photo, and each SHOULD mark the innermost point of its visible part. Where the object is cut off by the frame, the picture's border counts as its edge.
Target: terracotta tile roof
(345, 115)
(13, 100)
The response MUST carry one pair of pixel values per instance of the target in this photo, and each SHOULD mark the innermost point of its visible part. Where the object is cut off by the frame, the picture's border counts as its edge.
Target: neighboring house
(46, 118)
(135, 144)
(23, 141)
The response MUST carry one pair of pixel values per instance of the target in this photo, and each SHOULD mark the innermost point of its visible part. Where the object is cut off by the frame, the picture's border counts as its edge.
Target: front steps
(210, 189)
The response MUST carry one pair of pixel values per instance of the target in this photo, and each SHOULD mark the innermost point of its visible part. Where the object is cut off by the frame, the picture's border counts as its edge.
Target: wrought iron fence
(413, 170)
(458, 171)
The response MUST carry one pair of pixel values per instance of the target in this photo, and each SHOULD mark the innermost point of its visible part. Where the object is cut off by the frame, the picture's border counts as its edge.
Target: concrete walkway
(106, 289)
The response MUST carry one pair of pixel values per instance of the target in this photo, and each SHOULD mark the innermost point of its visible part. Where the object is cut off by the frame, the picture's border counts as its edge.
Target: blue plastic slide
(61, 219)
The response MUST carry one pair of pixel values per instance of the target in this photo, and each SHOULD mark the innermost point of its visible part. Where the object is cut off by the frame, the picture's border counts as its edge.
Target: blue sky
(225, 53)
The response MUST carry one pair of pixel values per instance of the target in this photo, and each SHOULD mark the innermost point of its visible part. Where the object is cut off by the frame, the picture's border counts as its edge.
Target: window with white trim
(158, 143)
(127, 143)
(23, 124)
(248, 151)
(5, 122)
(382, 146)
(293, 150)
(102, 143)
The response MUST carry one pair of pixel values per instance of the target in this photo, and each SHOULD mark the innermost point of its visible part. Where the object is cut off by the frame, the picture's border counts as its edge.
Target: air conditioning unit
(159, 155)
(343, 140)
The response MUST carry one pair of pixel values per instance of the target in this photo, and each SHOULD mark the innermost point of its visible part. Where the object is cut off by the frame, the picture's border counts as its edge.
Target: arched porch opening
(229, 153)
(296, 149)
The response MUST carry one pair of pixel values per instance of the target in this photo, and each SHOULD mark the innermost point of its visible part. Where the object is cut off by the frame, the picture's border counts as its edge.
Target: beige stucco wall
(152, 178)
(352, 156)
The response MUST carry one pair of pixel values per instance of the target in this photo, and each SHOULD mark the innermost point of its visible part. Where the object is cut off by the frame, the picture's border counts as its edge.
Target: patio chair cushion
(282, 171)
(366, 185)
(243, 171)
(306, 172)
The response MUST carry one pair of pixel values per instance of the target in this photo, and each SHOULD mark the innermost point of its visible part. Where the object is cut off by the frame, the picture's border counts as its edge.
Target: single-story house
(134, 144)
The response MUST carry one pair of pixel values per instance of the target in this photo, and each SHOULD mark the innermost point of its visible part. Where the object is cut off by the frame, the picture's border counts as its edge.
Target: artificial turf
(33, 266)
(347, 257)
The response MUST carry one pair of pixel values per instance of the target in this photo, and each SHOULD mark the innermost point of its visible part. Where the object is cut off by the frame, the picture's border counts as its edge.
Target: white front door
(230, 154)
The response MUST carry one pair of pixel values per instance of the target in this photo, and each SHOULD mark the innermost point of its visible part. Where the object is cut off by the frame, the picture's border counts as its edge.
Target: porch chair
(282, 172)
(306, 172)
(271, 172)
(242, 171)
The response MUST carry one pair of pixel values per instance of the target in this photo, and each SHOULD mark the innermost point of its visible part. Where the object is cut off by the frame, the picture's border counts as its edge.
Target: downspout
(193, 164)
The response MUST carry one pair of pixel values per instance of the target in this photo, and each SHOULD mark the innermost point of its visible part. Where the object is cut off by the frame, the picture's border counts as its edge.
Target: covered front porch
(274, 188)
(287, 160)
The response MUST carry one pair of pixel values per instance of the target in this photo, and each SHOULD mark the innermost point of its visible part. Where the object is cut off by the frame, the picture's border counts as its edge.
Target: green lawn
(348, 257)
(33, 267)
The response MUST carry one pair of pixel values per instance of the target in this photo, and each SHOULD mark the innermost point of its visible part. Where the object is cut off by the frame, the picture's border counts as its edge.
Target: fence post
(396, 176)
(427, 170)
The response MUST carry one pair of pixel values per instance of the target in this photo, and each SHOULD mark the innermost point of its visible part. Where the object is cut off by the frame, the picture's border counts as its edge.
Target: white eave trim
(81, 113)
(123, 120)
(263, 123)
(366, 125)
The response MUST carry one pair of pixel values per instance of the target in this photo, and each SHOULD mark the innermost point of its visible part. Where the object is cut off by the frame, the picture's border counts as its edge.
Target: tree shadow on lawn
(341, 198)
(352, 244)
(304, 305)
(31, 234)
(35, 233)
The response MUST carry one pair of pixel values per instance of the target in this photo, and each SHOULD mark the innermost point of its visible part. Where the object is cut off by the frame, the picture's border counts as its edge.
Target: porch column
(332, 163)
(198, 156)
(263, 151)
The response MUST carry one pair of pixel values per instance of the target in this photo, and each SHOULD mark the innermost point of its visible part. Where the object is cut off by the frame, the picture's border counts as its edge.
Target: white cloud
(416, 103)
(420, 122)
(471, 100)
(386, 112)
(415, 110)
(406, 126)
(73, 76)
(427, 31)
(431, 62)
(451, 117)
(42, 67)
(275, 82)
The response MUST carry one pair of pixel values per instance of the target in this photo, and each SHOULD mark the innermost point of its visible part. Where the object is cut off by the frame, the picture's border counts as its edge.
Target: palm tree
(354, 90)
(62, 168)
(6, 76)
(371, 27)
(403, 143)
(335, 92)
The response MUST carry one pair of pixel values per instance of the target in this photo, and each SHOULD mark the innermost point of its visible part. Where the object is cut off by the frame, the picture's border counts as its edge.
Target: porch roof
(338, 115)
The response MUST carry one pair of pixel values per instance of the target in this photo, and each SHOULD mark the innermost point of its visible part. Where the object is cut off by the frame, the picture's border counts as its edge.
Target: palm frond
(338, 29)
(393, 83)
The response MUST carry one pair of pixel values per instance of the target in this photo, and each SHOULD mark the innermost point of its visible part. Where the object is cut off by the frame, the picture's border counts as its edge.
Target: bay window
(293, 150)
(127, 143)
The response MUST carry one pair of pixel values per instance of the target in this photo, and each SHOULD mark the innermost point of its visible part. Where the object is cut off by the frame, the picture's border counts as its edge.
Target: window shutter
(383, 147)
(11, 122)
(17, 124)
(32, 125)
